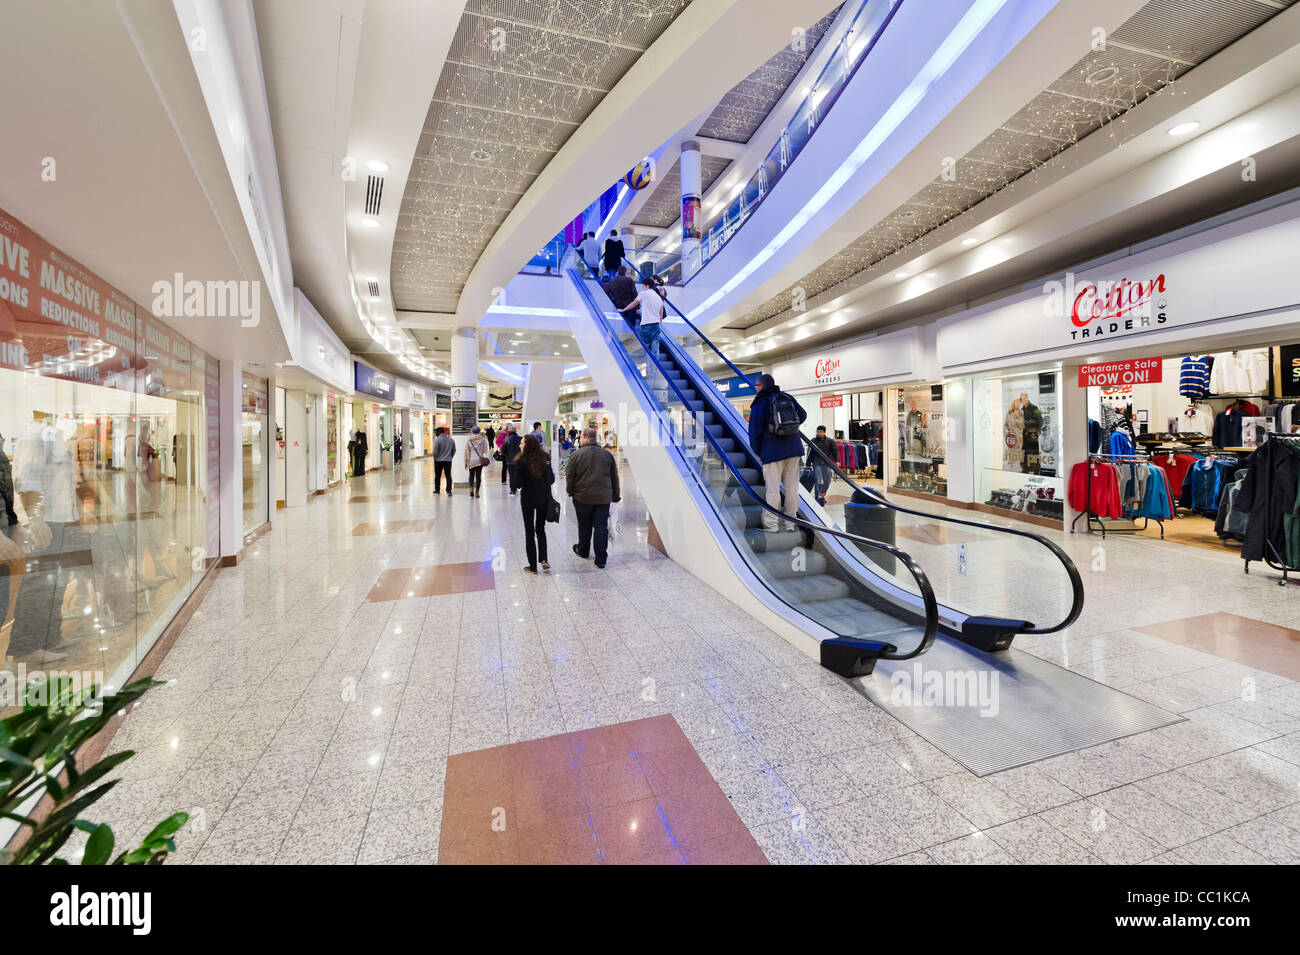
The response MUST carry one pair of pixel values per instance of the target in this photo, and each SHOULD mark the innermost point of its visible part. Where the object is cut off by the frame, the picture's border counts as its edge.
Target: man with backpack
(774, 420)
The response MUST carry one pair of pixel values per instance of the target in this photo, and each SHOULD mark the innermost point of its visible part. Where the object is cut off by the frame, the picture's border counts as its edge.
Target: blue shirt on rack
(1120, 444)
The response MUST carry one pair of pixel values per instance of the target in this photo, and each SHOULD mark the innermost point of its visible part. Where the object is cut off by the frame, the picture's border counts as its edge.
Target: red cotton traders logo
(826, 368)
(1108, 300)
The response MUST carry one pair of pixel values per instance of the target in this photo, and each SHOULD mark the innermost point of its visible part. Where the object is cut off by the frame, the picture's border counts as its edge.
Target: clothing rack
(1093, 517)
(1281, 564)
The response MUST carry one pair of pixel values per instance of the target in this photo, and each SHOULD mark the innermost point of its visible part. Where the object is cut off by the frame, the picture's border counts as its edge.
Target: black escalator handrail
(922, 581)
(1076, 581)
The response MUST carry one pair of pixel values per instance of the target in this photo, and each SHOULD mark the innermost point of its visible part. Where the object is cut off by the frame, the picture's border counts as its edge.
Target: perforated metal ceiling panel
(520, 76)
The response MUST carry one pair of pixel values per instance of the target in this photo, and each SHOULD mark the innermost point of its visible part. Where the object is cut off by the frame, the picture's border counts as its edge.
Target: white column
(295, 448)
(464, 388)
(230, 407)
(691, 209)
(959, 443)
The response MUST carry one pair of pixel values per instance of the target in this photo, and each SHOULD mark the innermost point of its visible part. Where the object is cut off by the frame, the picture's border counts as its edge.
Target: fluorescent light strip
(526, 310)
(961, 37)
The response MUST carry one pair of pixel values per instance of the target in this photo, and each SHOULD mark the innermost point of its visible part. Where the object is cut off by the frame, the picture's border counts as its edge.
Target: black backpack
(783, 415)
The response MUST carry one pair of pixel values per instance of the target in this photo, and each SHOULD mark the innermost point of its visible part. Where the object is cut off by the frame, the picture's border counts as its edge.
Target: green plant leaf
(172, 824)
(9, 756)
(99, 846)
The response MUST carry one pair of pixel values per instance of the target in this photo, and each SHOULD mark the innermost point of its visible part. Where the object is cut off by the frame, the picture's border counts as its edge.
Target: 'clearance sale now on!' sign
(1106, 374)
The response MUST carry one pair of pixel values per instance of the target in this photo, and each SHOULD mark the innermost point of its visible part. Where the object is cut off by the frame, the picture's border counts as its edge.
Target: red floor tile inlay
(432, 579)
(1254, 643)
(629, 794)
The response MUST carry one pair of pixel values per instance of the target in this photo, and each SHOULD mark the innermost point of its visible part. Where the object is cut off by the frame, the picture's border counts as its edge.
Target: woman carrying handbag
(535, 477)
(476, 459)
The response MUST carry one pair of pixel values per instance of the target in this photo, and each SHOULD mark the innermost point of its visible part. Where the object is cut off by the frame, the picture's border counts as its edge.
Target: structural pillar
(296, 440)
(464, 395)
(231, 406)
(691, 212)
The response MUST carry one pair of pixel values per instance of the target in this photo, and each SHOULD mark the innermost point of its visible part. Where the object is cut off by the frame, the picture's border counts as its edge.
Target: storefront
(110, 472)
(253, 438)
(1159, 375)
(372, 420)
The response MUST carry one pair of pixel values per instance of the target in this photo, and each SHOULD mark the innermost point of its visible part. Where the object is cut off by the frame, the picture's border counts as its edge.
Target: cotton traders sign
(371, 382)
(1104, 309)
(826, 371)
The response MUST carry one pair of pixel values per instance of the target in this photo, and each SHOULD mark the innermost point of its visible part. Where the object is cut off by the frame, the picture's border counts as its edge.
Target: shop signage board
(442, 401)
(371, 382)
(735, 387)
(832, 401)
(499, 415)
(1110, 374)
(464, 408)
(1289, 374)
(597, 405)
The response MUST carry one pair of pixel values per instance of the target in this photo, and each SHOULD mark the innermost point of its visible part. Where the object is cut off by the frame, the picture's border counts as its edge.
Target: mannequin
(359, 451)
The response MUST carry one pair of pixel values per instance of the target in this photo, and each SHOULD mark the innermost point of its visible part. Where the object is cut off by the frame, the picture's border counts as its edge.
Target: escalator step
(785, 565)
(802, 591)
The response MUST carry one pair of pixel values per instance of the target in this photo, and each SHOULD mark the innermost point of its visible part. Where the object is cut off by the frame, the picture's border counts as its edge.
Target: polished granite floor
(318, 701)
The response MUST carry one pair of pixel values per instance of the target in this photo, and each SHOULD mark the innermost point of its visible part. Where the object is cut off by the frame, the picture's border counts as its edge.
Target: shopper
(491, 434)
(444, 452)
(589, 249)
(774, 420)
(510, 455)
(820, 456)
(500, 442)
(476, 459)
(651, 309)
(613, 252)
(622, 290)
(535, 478)
(539, 434)
(591, 479)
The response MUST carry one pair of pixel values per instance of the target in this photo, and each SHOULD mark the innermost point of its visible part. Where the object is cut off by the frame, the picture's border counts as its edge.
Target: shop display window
(109, 473)
(922, 427)
(1017, 443)
(253, 437)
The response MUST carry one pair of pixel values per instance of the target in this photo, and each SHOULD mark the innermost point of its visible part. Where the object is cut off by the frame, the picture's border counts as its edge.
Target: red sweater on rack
(1175, 468)
(1104, 500)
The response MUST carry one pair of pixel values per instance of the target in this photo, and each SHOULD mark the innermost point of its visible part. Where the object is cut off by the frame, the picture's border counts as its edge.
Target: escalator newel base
(850, 657)
(991, 634)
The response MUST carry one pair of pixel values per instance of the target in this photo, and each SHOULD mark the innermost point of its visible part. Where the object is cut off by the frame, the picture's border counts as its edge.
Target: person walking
(614, 252)
(510, 452)
(500, 442)
(535, 478)
(591, 479)
(476, 459)
(820, 455)
(589, 249)
(539, 434)
(491, 434)
(774, 420)
(444, 452)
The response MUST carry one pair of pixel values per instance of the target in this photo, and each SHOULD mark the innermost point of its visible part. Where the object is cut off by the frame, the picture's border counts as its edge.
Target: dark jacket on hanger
(1267, 493)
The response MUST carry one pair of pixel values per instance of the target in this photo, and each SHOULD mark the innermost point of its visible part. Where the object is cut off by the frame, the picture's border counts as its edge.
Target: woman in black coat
(1267, 494)
(535, 477)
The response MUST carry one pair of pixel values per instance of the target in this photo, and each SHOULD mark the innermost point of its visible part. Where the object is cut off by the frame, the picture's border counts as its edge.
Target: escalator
(809, 575)
(992, 582)
(988, 583)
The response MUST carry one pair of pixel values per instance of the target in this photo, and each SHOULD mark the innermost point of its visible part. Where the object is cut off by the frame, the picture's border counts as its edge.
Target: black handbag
(553, 512)
(496, 455)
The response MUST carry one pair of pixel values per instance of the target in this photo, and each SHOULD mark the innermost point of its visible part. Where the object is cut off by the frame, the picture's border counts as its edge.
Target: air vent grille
(374, 288)
(374, 194)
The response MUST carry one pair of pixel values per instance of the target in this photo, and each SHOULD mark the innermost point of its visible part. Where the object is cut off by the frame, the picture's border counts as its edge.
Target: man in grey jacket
(591, 478)
(444, 452)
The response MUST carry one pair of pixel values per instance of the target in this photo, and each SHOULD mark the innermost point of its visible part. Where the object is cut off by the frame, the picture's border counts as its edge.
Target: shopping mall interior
(671, 432)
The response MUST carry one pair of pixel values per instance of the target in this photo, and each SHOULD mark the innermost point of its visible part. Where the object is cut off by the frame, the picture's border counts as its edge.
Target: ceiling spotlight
(907, 214)
(481, 155)
(451, 212)
(371, 221)
(900, 275)
(1103, 75)
(1182, 129)
(827, 308)
(970, 240)
(376, 165)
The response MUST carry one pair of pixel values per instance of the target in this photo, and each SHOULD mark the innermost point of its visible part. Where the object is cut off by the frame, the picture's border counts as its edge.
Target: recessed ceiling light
(970, 240)
(451, 213)
(371, 221)
(906, 214)
(481, 155)
(900, 275)
(377, 165)
(827, 308)
(1182, 129)
(1103, 75)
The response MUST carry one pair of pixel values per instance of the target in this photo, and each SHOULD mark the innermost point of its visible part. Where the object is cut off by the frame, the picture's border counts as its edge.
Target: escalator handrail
(922, 581)
(1072, 571)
